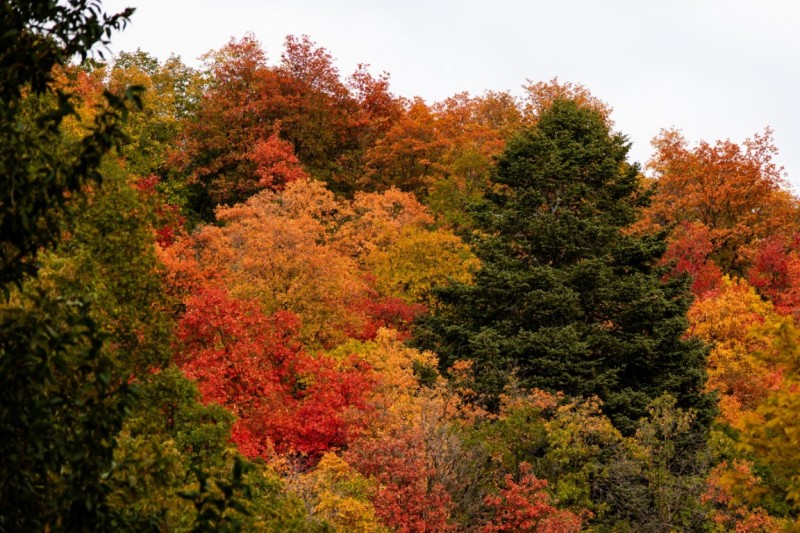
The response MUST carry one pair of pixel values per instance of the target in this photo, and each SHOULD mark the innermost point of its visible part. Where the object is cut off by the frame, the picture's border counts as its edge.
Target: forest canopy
(267, 296)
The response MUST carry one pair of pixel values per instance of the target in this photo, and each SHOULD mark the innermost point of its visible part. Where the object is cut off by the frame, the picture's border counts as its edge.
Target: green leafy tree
(60, 405)
(108, 255)
(172, 90)
(656, 482)
(651, 481)
(564, 297)
(36, 37)
(771, 434)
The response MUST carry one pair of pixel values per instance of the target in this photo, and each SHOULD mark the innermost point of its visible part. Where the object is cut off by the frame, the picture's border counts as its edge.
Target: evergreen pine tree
(565, 298)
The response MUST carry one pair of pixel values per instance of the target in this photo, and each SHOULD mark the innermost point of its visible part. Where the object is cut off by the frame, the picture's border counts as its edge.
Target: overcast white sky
(715, 69)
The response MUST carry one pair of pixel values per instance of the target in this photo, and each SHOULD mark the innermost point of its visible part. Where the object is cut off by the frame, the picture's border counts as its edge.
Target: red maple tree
(286, 400)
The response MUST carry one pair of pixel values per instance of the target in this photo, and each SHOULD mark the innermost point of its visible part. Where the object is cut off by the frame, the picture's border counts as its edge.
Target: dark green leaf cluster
(211, 507)
(37, 36)
(59, 412)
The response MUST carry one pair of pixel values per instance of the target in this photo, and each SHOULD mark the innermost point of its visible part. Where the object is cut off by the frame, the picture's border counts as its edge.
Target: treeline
(264, 296)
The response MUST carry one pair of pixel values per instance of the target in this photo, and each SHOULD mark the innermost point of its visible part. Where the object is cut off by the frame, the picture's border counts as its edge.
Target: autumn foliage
(346, 310)
(306, 251)
(732, 321)
(525, 506)
(689, 252)
(776, 273)
(409, 499)
(300, 267)
(286, 400)
(734, 191)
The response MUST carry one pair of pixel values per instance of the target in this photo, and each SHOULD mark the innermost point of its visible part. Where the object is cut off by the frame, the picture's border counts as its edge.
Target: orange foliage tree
(378, 220)
(474, 130)
(255, 118)
(729, 512)
(735, 191)
(406, 157)
(275, 248)
(305, 251)
(236, 112)
(541, 95)
(444, 152)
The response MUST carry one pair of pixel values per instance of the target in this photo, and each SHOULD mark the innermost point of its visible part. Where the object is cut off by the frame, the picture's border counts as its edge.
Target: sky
(713, 69)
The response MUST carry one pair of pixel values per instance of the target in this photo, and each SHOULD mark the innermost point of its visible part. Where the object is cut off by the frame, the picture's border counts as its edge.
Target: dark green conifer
(565, 297)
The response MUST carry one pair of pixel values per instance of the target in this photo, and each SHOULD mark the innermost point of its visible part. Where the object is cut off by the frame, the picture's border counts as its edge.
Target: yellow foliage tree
(336, 493)
(731, 321)
(397, 396)
(420, 260)
(772, 432)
